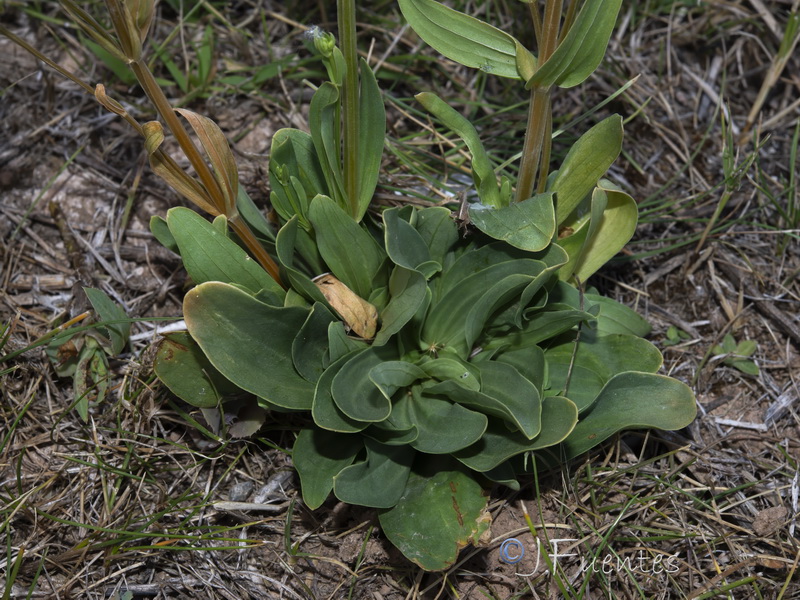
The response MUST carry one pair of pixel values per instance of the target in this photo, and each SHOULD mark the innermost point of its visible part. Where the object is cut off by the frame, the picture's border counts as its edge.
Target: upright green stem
(536, 147)
(534, 141)
(347, 35)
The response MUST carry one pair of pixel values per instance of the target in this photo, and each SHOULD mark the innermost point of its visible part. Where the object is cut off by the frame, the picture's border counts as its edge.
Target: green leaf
(324, 410)
(324, 128)
(498, 444)
(209, 255)
(339, 344)
(586, 162)
(446, 325)
(613, 231)
(615, 317)
(318, 456)
(391, 375)
(350, 252)
(462, 38)
(408, 293)
(438, 230)
(181, 365)
(310, 346)
(583, 48)
(444, 369)
(285, 245)
(633, 401)
(597, 360)
(355, 394)
(528, 225)
(249, 342)
(119, 333)
(404, 245)
(482, 169)
(371, 135)
(504, 394)
(160, 230)
(443, 426)
(440, 511)
(380, 480)
(530, 363)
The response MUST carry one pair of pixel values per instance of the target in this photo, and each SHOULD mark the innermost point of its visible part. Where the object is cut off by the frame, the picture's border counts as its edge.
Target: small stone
(770, 520)
(241, 491)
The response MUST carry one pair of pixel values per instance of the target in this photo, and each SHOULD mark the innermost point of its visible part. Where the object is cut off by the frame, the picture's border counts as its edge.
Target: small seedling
(737, 355)
(675, 336)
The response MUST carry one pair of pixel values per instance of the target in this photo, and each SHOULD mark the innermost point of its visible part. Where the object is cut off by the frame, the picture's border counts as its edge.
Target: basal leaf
(349, 251)
(249, 342)
(324, 410)
(319, 455)
(355, 394)
(438, 230)
(442, 426)
(391, 375)
(598, 359)
(380, 480)
(504, 394)
(181, 365)
(408, 294)
(310, 345)
(615, 317)
(633, 400)
(404, 245)
(498, 444)
(440, 511)
(285, 245)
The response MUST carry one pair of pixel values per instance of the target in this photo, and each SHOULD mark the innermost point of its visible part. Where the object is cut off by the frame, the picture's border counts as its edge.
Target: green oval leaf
(462, 38)
(181, 365)
(249, 342)
(440, 511)
(528, 225)
(318, 456)
(380, 480)
(633, 400)
(208, 255)
(355, 394)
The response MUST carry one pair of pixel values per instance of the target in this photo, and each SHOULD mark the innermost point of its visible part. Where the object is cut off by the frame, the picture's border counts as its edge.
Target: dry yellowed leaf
(358, 314)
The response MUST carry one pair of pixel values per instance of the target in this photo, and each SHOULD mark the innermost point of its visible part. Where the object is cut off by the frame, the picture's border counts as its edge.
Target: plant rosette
(435, 368)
